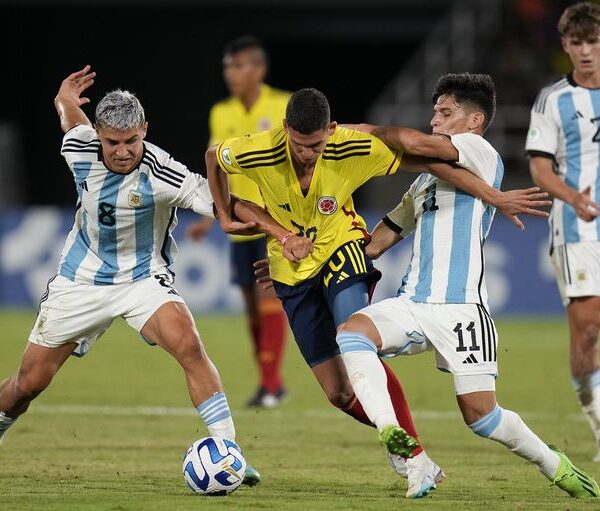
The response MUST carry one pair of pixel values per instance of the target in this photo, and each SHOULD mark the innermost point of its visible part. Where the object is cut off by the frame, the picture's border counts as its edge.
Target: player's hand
(262, 273)
(585, 207)
(74, 85)
(522, 201)
(297, 248)
(199, 229)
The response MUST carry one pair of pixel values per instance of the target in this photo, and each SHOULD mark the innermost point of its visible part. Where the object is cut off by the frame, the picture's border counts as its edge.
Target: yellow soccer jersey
(326, 214)
(229, 118)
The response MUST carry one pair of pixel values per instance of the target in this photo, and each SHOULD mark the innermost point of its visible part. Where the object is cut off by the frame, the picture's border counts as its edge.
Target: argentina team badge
(327, 205)
(135, 199)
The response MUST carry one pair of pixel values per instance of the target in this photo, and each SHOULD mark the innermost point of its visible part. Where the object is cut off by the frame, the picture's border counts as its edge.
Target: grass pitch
(110, 432)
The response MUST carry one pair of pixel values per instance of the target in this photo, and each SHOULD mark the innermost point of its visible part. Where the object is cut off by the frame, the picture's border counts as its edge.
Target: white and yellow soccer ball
(214, 466)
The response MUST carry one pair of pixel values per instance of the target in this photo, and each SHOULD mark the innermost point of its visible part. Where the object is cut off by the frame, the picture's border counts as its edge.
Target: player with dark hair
(253, 106)
(562, 145)
(307, 171)
(442, 302)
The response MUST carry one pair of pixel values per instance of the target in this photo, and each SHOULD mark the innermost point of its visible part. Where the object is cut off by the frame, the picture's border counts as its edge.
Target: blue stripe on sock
(214, 409)
(589, 380)
(486, 425)
(353, 341)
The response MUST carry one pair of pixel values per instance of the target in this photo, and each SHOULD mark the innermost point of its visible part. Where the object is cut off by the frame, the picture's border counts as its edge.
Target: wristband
(286, 237)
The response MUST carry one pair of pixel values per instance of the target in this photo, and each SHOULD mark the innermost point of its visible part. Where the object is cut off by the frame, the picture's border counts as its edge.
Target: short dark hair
(244, 43)
(580, 20)
(478, 89)
(307, 111)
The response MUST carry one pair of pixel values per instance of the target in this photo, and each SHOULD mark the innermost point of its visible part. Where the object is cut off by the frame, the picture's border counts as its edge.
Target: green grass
(65, 454)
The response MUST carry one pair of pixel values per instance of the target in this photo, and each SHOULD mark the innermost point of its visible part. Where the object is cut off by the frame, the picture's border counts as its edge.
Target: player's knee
(339, 397)
(29, 385)
(188, 347)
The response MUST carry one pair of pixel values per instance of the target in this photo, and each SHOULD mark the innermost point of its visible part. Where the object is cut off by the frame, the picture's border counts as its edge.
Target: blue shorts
(243, 255)
(318, 305)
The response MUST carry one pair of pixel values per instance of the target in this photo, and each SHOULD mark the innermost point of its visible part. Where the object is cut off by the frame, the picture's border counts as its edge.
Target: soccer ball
(214, 466)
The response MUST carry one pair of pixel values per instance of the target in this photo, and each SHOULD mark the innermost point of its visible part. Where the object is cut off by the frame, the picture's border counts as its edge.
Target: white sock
(506, 427)
(368, 378)
(217, 416)
(588, 391)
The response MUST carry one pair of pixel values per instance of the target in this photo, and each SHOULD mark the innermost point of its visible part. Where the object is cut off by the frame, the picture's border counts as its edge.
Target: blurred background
(376, 61)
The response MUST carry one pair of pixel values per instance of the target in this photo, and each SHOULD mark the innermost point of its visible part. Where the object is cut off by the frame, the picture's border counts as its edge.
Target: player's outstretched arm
(68, 101)
(510, 203)
(382, 238)
(543, 175)
(295, 247)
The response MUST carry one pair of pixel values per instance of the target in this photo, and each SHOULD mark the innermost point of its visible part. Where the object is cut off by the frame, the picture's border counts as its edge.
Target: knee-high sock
(507, 428)
(272, 343)
(368, 377)
(356, 411)
(587, 388)
(216, 415)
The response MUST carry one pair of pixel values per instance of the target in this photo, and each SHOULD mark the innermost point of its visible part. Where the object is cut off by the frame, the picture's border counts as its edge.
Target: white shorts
(81, 313)
(577, 269)
(463, 335)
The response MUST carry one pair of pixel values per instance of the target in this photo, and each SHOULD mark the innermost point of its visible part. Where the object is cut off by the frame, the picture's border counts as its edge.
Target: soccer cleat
(397, 441)
(398, 464)
(265, 399)
(423, 476)
(251, 477)
(572, 479)
(5, 423)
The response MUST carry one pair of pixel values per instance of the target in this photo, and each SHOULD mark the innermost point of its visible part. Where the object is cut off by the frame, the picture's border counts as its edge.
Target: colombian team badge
(327, 205)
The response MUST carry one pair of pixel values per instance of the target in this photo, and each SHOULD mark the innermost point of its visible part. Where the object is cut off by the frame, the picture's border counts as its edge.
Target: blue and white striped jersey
(565, 126)
(123, 222)
(450, 229)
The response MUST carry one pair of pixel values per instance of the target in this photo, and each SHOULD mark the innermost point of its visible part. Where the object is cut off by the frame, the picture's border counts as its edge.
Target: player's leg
(70, 320)
(577, 272)
(584, 324)
(360, 338)
(487, 419)
(38, 366)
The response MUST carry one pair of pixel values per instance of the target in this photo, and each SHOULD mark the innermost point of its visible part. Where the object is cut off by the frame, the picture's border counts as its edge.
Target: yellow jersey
(326, 213)
(229, 118)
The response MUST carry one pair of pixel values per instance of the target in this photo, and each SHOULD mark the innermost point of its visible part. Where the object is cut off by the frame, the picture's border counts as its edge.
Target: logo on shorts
(581, 275)
(327, 205)
(226, 155)
(135, 199)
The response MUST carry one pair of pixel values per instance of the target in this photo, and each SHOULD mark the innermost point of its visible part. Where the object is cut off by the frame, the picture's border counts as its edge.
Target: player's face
(122, 150)
(305, 149)
(243, 72)
(584, 53)
(449, 117)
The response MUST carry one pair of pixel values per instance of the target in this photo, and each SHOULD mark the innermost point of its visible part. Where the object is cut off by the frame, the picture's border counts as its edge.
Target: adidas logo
(470, 360)
(343, 276)
(285, 206)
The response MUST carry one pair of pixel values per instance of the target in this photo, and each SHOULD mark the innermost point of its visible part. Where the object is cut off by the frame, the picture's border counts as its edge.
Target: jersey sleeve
(193, 193)
(543, 134)
(384, 160)
(80, 143)
(476, 155)
(402, 218)
(226, 157)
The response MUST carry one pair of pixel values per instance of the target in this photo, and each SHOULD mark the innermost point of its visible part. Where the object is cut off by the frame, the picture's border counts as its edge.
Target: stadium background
(376, 61)
(110, 431)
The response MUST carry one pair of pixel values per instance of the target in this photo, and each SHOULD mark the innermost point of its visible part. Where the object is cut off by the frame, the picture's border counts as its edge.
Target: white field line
(165, 411)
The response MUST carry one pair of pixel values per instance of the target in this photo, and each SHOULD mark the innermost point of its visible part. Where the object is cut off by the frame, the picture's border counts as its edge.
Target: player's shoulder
(550, 92)
(475, 145)
(160, 166)
(263, 149)
(80, 139)
(223, 106)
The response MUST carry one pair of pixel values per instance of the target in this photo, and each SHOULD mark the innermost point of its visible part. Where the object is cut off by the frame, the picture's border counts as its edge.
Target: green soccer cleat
(251, 477)
(397, 441)
(572, 479)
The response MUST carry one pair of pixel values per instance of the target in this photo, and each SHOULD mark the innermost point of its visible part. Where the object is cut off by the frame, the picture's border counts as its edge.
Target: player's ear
(144, 130)
(475, 121)
(285, 125)
(564, 43)
(331, 128)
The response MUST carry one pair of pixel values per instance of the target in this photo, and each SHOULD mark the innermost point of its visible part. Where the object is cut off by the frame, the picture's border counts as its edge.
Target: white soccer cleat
(398, 464)
(423, 476)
